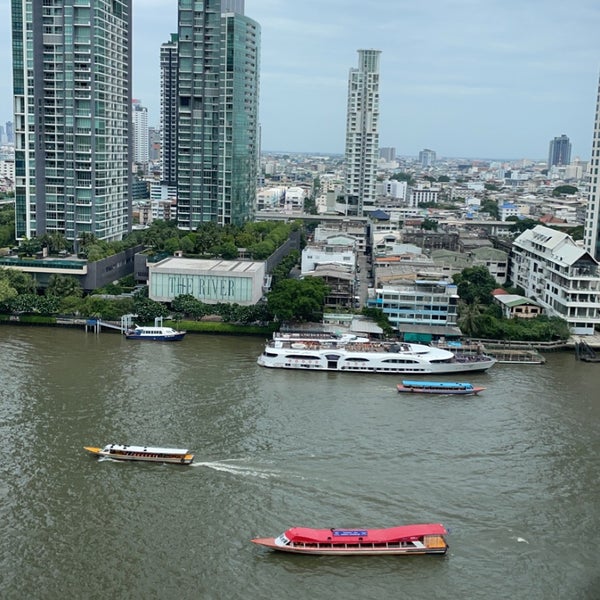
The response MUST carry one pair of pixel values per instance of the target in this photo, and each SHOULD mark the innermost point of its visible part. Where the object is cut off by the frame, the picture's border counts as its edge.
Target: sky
(466, 78)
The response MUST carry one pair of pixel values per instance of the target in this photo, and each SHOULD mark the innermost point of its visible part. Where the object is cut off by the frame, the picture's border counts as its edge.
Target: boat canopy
(392, 534)
(144, 449)
(437, 384)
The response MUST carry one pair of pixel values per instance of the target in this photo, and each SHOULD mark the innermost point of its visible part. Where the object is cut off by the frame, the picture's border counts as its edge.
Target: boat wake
(238, 470)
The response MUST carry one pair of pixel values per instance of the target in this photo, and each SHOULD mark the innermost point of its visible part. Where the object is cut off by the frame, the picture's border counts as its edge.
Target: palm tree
(468, 315)
(63, 286)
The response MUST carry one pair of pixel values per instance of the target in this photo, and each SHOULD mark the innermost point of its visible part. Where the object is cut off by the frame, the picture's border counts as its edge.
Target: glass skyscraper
(217, 113)
(168, 110)
(559, 151)
(72, 104)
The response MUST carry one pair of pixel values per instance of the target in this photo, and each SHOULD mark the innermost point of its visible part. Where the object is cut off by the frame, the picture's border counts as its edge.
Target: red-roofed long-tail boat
(406, 539)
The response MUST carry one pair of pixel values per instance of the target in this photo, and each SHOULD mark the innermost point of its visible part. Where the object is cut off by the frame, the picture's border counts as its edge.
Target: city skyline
(462, 80)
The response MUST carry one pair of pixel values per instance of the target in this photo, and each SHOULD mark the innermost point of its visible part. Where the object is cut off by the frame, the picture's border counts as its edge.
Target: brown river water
(513, 473)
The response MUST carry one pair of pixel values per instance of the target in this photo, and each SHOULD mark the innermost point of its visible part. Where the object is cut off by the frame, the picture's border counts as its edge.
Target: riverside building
(217, 113)
(591, 234)
(168, 111)
(559, 275)
(72, 105)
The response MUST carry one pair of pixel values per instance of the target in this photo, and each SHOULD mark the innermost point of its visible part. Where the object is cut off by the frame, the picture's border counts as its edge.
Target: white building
(421, 195)
(326, 254)
(393, 189)
(139, 117)
(294, 199)
(210, 281)
(591, 235)
(420, 302)
(362, 133)
(508, 210)
(559, 275)
(7, 169)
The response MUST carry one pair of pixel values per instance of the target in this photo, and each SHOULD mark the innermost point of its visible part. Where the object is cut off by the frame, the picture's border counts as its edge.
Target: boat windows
(403, 361)
(358, 359)
(301, 357)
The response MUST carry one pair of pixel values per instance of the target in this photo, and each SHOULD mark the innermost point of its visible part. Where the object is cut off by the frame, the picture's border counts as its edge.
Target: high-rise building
(559, 153)
(217, 113)
(10, 135)
(591, 230)
(72, 104)
(139, 121)
(427, 158)
(362, 133)
(2, 138)
(388, 154)
(168, 110)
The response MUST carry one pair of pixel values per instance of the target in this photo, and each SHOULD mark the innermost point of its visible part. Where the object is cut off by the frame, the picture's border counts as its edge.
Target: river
(513, 473)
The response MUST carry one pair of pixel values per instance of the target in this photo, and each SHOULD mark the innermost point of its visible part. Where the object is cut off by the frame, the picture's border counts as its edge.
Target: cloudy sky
(466, 78)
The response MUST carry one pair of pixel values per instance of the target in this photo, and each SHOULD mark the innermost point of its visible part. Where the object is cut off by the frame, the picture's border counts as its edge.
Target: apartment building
(559, 275)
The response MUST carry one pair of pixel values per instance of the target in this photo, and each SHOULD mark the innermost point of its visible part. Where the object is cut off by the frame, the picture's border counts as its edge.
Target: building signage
(204, 286)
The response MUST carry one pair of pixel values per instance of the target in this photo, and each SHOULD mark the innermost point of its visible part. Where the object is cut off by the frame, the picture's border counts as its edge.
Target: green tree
(63, 286)
(491, 207)
(404, 177)
(30, 246)
(23, 282)
(468, 316)
(521, 225)
(475, 285)
(147, 310)
(429, 224)
(298, 299)
(564, 190)
(7, 292)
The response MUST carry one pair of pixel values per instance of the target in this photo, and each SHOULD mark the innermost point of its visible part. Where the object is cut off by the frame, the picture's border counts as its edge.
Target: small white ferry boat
(351, 354)
(155, 334)
(143, 453)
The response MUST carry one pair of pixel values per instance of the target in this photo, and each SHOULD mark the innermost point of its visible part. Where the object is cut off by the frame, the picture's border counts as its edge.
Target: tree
(148, 310)
(491, 207)
(475, 285)
(7, 292)
(429, 224)
(30, 246)
(63, 286)
(23, 282)
(521, 225)
(564, 190)
(467, 321)
(403, 177)
(298, 299)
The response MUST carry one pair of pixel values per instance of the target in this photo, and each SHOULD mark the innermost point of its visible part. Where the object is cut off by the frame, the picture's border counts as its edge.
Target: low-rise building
(516, 306)
(559, 275)
(419, 302)
(209, 281)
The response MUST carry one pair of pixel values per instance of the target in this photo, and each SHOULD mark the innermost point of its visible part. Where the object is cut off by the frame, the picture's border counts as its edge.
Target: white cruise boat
(351, 354)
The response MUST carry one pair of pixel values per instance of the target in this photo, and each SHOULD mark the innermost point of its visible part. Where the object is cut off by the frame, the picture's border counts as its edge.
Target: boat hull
(411, 390)
(343, 551)
(186, 459)
(372, 366)
(155, 338)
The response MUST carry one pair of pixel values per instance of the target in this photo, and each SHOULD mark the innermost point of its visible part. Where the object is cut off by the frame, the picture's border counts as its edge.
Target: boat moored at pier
(439, 387)
(155, 334)
(405, 539)
(352, 354)
(143, 453)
